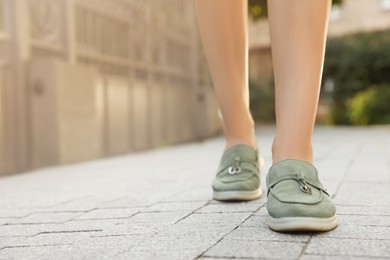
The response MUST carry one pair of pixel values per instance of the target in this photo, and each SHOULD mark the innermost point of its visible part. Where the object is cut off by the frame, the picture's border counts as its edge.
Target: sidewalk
(157, 205)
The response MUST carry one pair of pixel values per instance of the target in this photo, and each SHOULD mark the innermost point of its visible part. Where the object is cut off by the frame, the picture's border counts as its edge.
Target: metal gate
(118, 75)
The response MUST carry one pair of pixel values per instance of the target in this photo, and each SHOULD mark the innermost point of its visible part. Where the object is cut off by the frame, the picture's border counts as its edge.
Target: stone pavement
(157, 205)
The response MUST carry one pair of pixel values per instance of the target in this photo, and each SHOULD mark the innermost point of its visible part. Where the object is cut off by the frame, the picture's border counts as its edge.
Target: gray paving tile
(199, 231)
(262, 211)
(11, 241)
(256, 249)
(323, 257)
(203, 193)
(57, 252)
(47, 217)
(123, 242)
(16, 213)
(28, 253)
(45, 239)
(170, 217)
(366, 194)
(161, 254)
(358, 232)
(348, 247)
(109, 213)
(363, 210)
(216, 218)
(175, 206)
(360, 170)
(364, 220)
(103, 210)
(263, 233)
(231, 207)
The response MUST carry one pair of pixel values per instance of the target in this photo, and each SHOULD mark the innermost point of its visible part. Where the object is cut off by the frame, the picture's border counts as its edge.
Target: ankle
(287, 150)
(231, 141)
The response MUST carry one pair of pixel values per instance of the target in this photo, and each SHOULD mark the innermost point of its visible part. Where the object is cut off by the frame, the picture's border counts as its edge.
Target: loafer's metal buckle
(303, 185)
(234, 169)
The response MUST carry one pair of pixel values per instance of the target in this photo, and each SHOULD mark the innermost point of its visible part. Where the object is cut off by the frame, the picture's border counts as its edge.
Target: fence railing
(133, 69)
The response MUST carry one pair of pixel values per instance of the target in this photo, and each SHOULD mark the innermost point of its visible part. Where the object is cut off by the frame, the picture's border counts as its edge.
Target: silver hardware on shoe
(236, 167)
(303, 186)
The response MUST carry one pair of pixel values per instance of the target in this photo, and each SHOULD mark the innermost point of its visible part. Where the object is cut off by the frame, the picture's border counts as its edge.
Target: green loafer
(238, 174)
(296, 199)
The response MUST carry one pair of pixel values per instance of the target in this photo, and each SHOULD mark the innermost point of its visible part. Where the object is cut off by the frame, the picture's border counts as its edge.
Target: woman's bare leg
(298, 30)
(222, 24)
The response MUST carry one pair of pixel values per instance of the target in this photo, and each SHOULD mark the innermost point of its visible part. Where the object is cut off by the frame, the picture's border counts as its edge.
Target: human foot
(238, 174)
(297, 201)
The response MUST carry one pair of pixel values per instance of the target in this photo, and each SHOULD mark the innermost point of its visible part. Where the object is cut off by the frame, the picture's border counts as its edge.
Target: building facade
(86, 79)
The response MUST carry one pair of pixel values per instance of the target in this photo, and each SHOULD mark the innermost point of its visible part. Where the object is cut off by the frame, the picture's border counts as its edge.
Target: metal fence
(84, 79)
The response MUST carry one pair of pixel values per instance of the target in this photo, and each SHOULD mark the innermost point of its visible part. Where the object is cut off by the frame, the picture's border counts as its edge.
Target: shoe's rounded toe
(323, 209)
(248, 185)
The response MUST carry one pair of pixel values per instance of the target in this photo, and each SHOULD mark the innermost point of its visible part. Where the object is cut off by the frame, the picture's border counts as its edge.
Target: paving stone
(103, 210)
(322, 257)
(358, 232)
(256, 249)
(348, 247)
(175, 243)
(123, 242)
(170, 217)
(11, 241)
(231, 207)
(109, 213)
(366, 194)
(82, 205)
(22, 230)
(161, 254)
(47, 217)
(129, 202)
(332, 170)
(364, 220)
(54, 239)
(262, 211)
(217, 218)
(203, 193)
(131, 228)
(263, 233)
(57, 252)
(363, 210)
(70, 226)
(202, 230)
(29, 253)
(360, 169)
(255, 221)
(175, 206)
(16, 213)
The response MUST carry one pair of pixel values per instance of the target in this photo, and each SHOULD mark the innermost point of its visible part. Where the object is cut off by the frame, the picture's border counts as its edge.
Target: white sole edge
(237, 195)
(302, 224)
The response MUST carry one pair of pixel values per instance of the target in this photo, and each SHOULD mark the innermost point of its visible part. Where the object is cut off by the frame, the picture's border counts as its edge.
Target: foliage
(262, 102)
(371, 106)
(355, 63)
(257, 9)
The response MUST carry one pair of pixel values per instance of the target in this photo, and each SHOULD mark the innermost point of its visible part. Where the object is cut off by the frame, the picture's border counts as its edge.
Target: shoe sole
(237, 195)
(289, 224)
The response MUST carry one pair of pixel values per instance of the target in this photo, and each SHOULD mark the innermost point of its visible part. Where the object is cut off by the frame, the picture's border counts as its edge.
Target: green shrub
(354, 63)
(371, 106)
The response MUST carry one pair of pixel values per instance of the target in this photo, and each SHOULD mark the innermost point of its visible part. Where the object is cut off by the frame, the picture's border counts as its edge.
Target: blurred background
(88, 79)
(356, 80)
